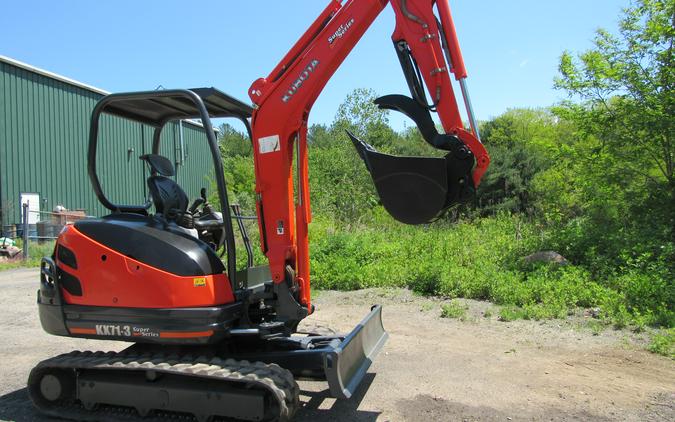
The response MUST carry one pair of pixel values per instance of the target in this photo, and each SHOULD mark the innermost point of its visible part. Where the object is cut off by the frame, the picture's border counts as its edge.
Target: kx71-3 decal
(115, 330)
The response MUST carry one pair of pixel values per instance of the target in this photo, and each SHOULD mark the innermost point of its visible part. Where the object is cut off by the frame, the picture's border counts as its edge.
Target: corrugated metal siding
(120, 171)
(44, 126)
(196, 171)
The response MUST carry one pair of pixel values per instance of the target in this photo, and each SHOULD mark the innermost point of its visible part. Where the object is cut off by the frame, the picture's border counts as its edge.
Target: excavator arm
(413, 189)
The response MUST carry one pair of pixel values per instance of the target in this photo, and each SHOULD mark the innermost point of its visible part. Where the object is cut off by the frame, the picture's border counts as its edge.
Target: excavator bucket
(417, 190)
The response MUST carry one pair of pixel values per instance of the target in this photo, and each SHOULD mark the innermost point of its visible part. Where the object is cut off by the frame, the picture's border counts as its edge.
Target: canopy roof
(157, 107)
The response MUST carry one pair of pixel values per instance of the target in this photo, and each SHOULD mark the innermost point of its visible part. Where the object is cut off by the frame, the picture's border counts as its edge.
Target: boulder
(548, 257)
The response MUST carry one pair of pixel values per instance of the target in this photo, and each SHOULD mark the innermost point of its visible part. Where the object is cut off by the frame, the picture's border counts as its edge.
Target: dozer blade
(417, 190)
(347, 364)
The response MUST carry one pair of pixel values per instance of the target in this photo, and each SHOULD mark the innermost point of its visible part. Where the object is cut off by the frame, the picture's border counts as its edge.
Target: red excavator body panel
(111, 279)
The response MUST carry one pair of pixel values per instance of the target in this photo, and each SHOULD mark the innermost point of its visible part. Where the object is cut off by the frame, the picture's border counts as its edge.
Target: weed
(427, 306)
(36, 252)
(511, 313)
(481, 259)
(663, 343)
(453, 309)
(596, 327)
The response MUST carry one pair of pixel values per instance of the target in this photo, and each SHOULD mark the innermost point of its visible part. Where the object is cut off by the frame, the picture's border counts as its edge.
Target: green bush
(481, 259)
(453, 310)
(664, 343)
(511, 313)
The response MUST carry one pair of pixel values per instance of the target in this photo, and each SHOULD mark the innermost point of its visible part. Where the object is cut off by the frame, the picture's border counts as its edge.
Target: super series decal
(341, 31)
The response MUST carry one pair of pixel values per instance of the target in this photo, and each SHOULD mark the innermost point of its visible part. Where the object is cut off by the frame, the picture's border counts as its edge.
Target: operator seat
(169, 199)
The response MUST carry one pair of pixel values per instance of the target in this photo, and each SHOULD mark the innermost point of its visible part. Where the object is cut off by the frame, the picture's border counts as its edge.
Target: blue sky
(511, 48)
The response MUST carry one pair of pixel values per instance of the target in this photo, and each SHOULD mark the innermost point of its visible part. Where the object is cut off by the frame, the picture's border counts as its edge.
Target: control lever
(195, 205)
(199, 201)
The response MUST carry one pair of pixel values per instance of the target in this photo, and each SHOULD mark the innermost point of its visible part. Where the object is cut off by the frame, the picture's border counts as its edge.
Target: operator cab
(179, 237)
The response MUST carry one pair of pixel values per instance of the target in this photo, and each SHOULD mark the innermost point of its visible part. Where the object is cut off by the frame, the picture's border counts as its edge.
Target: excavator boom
(414, 190)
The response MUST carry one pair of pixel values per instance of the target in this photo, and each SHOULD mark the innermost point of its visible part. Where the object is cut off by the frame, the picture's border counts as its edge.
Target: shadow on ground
(16, 406)
(320, 406)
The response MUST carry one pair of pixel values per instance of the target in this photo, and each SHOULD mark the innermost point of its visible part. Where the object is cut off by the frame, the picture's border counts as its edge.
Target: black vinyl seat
(170, 200)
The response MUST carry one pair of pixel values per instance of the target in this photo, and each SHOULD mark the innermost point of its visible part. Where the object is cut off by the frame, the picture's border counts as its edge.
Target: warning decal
(269, 144)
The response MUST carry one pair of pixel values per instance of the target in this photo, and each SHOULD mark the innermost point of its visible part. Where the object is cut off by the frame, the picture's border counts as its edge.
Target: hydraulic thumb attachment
(417, 190)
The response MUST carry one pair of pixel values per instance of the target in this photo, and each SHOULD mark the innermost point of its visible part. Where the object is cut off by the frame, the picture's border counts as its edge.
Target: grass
(36, 251)
(596, 327)
(482, 259)
(454, 310)
(427, 306)
(511, 313)
(663, 343)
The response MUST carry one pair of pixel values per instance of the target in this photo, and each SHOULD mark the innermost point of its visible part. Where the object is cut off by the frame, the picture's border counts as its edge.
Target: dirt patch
(431, 408)
(432, 368)
(478, 368)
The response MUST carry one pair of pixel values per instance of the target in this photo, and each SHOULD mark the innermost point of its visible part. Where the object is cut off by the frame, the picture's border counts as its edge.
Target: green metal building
(44, 128)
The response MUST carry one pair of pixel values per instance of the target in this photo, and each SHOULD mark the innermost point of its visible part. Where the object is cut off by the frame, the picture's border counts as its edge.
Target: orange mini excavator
(207, 341)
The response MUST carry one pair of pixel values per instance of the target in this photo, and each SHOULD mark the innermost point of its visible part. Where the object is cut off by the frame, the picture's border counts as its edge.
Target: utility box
(33, 201)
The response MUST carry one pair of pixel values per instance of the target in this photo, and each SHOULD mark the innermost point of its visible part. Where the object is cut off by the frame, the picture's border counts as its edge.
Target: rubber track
(277, 381)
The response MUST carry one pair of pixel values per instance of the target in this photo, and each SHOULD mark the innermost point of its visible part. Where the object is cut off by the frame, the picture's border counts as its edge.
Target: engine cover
(138, 262)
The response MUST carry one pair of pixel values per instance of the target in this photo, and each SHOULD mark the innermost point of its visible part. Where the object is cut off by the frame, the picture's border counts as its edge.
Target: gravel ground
(471, 369)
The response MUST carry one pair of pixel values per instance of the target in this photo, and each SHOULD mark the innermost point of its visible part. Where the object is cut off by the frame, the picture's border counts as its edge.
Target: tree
(521, 143)
(359, 114)
(627, 87)
(612, 189)
(341, 186)
(319, 136)
(234, 143)
(237, 155)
